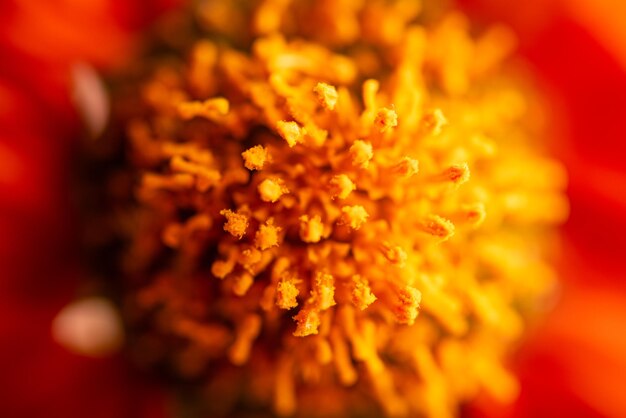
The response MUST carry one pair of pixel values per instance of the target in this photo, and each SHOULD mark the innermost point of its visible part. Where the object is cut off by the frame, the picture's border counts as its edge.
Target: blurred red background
(573, 365)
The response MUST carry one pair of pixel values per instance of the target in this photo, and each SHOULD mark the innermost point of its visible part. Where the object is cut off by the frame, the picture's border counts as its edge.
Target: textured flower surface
(338, 201)
(571, 365)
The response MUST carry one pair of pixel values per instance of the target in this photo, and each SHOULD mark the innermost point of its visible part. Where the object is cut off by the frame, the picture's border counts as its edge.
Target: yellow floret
(209, 109)
(362, 295)
(434, 121)
(255, 157)
(267, 236)
(386, 119)
(236, 223)
(408, 305)
(456, 173)
(323, 293)
(286, 294)
(354, 216)
(361, 153)
(308, 322)
(327, 95)
(395, 254)
(311, 229)
(290, 132)
(437, 226)
(271, 190)
(341, 186)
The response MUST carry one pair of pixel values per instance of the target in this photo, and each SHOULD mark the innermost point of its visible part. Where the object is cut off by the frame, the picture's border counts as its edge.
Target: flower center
(352, 206)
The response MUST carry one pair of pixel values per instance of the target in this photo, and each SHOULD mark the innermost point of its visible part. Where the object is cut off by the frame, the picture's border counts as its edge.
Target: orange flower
(333, 227)
(571, 365)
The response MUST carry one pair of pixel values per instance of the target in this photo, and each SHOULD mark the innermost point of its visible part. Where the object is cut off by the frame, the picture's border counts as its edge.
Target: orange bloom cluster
(339, 201)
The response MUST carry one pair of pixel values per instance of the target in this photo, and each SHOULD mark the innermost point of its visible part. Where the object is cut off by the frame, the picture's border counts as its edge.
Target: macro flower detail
(351, 212)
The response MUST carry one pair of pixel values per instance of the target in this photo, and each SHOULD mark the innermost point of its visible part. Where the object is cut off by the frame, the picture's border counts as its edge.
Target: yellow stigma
(353, 216)
(326, 95)
(311, 230)
(386, 119)
(255, 157)
(236, 223)
(270, 190)
(209, 108)
(290, 131)
(341, 186)
(338, 201)
(361, 153)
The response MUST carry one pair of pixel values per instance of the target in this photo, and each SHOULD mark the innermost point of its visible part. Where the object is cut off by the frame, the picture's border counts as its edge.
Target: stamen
(255, 157)
(311, 230)
(271, 190)
(434, 121)
(206, 177)
(267, 235)
(290, 132)
(287, 292)
(361, 153)
(323, 293)
(395, 254)
(408, 305)
(210, 109)
(362, 295)
(407, 167)
(456, 173)
(308, 322)
(353, 216)
(386, 119)
(236, 223)
(242, 283)
(327, 95)
(248, 330)
(437, 227)
(168, 182)
(341, 186)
